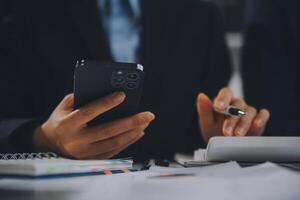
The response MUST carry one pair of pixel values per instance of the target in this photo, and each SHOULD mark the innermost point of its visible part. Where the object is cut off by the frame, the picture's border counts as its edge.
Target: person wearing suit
(271, 62)
(181, 46)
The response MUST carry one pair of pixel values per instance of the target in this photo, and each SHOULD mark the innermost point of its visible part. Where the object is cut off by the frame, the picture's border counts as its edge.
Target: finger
(245, 122)
(112, 129)
(110, 154)
(205, 111)
(223, 100)
(260, 122)
(67, 103)
(112, 144)
(231, 122)
(85, 114)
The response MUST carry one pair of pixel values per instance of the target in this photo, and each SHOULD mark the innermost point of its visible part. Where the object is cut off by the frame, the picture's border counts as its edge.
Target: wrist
(40, 140)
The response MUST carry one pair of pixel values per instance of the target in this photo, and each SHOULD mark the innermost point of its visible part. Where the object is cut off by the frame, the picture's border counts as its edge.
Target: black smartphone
(94, 80)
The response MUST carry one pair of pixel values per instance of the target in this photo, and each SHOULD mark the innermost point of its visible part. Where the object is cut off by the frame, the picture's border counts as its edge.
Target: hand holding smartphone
(113, 124)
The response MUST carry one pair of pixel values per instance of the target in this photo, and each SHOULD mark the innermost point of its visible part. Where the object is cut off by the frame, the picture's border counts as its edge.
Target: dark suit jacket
(271, 61)
(182, 49)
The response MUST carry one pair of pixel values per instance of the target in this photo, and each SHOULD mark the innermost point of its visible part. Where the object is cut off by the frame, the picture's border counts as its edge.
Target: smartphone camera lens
(119, 80)
(131, 85)
(118, 85)
(132, 76)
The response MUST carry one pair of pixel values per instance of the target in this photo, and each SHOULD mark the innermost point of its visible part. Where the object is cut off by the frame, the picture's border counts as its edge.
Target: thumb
(67, 103)
(205, 111)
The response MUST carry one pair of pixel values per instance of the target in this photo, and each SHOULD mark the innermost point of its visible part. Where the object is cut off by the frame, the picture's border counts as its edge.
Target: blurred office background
(233, 18)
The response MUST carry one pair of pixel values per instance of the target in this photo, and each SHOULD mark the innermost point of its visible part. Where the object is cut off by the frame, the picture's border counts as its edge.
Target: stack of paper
(59, 166)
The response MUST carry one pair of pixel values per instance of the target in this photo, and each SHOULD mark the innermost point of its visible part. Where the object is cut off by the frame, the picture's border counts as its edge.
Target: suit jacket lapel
(86, 17)
(155, 52)
(151, 29)
(158, 21)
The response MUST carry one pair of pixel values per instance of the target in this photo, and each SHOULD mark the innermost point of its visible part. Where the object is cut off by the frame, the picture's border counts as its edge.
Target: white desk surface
(225, 181)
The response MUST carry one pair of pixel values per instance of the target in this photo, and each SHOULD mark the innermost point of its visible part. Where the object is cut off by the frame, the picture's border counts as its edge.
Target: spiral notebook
(50, 165)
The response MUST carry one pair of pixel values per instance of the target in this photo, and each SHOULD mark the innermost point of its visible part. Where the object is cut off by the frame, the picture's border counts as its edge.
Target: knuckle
(87, 111)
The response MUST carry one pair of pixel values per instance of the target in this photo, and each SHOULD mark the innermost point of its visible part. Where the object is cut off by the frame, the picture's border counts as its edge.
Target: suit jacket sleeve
(17, 95)
(16, 126)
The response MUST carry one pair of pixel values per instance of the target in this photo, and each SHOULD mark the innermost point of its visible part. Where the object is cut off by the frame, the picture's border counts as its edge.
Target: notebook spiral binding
(28, 156)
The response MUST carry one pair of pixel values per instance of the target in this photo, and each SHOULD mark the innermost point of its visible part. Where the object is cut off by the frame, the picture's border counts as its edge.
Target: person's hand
(66, 131)
(213, 122)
